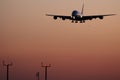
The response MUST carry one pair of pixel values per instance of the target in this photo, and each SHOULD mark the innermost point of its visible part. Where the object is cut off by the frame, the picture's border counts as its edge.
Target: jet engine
(101, 17)
(55, 17)
(63, 18)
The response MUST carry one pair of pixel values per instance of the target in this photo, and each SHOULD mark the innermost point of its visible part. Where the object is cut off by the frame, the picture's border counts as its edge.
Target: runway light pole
(7, 66)
(38, 75)
(46, 68)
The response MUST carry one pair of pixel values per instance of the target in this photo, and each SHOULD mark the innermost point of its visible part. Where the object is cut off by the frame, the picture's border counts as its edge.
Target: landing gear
(76, 21)
(72, 21)
(82, 21)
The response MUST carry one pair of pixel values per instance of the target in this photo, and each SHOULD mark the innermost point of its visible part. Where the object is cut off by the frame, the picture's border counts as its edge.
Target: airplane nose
(75, 13)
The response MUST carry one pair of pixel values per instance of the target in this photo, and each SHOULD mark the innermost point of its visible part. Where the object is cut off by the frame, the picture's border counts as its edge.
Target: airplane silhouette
(78, 16)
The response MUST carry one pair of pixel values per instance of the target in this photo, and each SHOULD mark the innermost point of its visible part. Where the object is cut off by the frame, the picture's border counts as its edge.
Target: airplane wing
(60, 16)
(96, 16)
(79, 18)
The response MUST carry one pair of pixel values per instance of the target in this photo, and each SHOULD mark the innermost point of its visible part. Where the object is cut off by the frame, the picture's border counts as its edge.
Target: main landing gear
(82, 21)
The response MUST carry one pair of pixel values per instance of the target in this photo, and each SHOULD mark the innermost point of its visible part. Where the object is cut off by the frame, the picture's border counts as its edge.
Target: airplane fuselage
(76, 13)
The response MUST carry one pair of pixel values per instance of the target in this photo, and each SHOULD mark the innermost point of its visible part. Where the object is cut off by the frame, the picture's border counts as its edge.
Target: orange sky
(89, 51)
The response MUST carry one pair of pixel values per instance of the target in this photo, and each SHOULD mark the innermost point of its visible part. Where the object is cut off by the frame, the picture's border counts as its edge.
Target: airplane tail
(82, 8)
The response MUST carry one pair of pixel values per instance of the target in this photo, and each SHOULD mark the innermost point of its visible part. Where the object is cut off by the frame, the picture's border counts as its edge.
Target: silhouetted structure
(45, 69)
(38, 75)
(7, 65)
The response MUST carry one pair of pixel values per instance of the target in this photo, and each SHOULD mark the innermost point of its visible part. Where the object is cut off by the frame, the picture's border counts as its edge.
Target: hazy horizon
(89, 51)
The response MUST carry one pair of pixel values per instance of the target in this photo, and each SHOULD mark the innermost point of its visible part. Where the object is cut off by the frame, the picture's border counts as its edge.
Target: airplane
(78, 16)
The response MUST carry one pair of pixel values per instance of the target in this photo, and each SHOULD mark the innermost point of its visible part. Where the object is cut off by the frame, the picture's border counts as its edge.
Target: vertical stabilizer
(82, 8)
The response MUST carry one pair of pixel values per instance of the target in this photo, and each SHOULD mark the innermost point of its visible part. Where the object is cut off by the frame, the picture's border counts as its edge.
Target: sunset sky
(88, 51)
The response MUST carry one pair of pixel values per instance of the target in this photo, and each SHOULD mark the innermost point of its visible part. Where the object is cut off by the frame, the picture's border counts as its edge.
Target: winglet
(110, 14)
(49, 15)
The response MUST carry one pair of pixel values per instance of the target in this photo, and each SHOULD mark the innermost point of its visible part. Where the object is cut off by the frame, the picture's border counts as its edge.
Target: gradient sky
(89, 51)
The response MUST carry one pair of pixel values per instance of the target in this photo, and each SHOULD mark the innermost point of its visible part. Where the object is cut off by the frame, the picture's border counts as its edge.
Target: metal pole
(7, 66)
(7, 72)
(45, 72)
(37, 75)
(46, 69)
